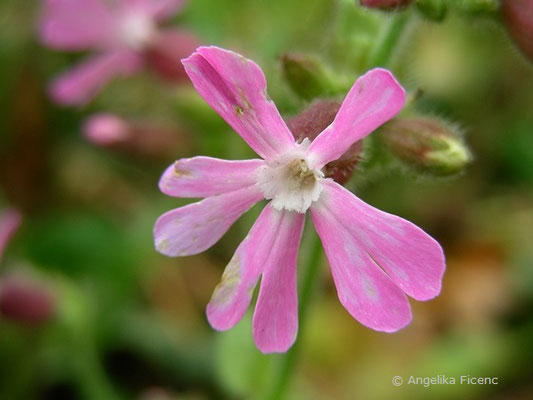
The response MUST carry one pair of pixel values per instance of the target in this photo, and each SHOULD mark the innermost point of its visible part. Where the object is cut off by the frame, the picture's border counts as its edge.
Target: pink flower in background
(142, 140)
(376, 258)
(9, 222)
(124, 36)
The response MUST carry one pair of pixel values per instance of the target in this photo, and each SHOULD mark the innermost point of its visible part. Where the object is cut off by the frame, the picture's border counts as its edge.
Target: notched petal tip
(411, 258)
(417, 286)
(365, 290)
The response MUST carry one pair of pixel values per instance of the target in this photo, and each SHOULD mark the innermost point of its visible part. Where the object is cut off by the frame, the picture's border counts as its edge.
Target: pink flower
(124, 36)
(9, 223)
(376, 258)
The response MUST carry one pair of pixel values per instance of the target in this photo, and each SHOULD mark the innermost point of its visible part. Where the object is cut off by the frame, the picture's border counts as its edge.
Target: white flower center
(289, 181)
(136, 30)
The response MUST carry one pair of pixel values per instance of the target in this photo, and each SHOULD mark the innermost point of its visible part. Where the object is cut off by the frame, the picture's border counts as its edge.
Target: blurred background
(88, 308)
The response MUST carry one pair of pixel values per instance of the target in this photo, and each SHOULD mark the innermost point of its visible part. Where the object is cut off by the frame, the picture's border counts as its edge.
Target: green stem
(387, 40)
(287, 363)
(92, 378)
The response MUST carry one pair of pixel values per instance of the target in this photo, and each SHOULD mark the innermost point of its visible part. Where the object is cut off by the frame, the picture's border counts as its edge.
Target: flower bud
(307, 76)
(140, 140)
(427, 144)
(518, 19)
(25, 301)
(165, 52)
(432, 9)
(313, 120)
(385, 4)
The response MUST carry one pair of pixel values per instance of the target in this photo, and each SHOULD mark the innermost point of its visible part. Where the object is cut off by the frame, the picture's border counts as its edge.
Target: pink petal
(10, 220)
(76, 24)
(363, 288)
(206, 176)
(159, 9)
(275, 322)
(412, 258)
(236, 89)
(196, 227)
(232, 296)
(375, 98)
(80, 85)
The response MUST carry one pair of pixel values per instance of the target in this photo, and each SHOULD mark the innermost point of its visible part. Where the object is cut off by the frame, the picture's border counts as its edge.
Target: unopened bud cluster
(427, 144)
